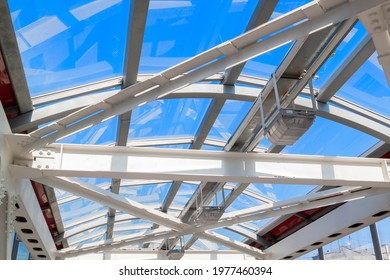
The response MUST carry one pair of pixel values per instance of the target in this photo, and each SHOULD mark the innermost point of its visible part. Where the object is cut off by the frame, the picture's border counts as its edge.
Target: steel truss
(35, 157)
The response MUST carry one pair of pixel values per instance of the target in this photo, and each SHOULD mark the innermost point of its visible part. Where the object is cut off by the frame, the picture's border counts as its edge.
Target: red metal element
(295, 222)
(49, 218)
(46, 210)
(285, 226)
(41, 194)
(8, 100)
(7, 95)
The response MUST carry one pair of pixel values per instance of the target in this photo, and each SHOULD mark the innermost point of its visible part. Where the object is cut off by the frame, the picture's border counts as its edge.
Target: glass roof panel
(151, 195)
(278, 192)
(79, 209)
(230, 234)
(285, 6)
(264, 65)
(128, 233)
(88, 236)
(101, 134)
(243, 202)
(204, 244)
(61, 195)
(168, 117)
(128, 228)
(183, 195)
(353, 38)
(211, 148)
(260, 223)
(62, 45)
(132, 225)
(178, 30)
(179, 146)
(368, 87)
(326, 138)
(73, 50)
(229, 118)
(329, 138)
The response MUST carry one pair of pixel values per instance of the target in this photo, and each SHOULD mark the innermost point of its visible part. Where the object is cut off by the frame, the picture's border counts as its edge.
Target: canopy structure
(193, 129)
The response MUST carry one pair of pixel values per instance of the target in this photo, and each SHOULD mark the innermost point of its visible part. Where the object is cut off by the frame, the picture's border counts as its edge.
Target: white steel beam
(212, 166)
(230, 53)
(54, 111)
(246, 233)
(376, 21)
(170, 196)
(54, 97)
(30, 224)
(328, 197)
(360, 110)
(136, 30)
(22, 213)
(358, 117)
(290, 207)
(207, 123)
(61, 109)
(319, 232)
(76, 91)
(107, 198)
(232, 244)
(5, 157)
(360, 122)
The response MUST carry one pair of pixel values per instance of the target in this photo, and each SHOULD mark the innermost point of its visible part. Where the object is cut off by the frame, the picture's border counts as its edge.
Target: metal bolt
(40, 153)
(47, 166)
(48, 153)
(39, 166)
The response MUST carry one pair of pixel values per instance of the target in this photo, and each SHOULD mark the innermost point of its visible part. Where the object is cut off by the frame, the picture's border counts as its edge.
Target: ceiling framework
(238, 50)
(186, 165)
(202, 180)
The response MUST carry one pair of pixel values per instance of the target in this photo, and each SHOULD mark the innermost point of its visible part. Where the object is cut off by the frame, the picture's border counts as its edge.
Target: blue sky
(75, 42)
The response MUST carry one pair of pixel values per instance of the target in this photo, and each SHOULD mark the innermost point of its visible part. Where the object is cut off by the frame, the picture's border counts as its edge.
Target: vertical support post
(321, 255)
(313, 99)
(376, 242)
(262, 111)
(275, 82)
(3, 227)
(106, 256)
(15, 247)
